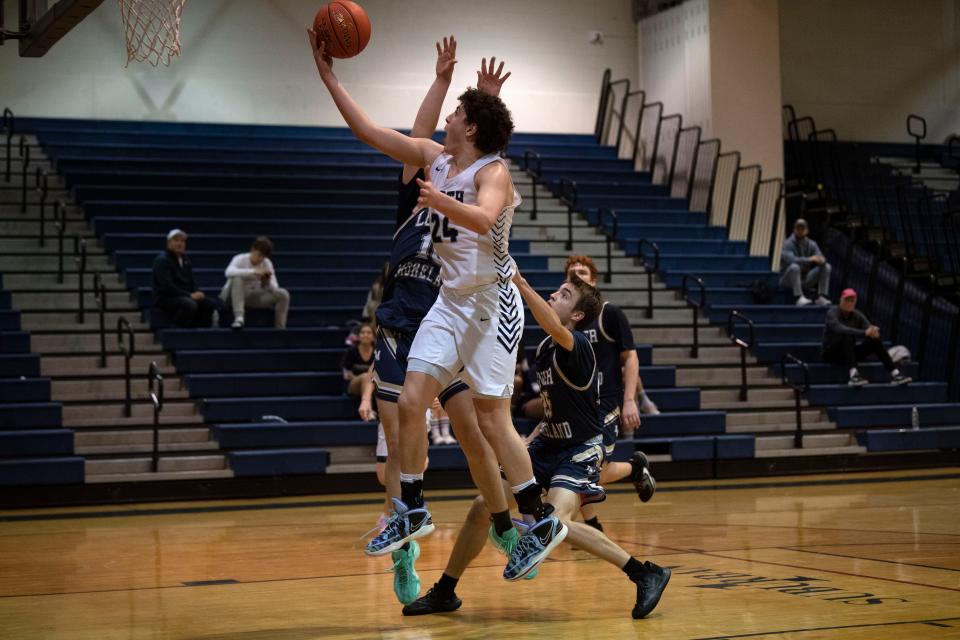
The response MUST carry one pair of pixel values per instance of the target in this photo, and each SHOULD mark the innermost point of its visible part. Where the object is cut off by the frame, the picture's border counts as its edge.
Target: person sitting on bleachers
(845, 325)
(175, 291)
(802, 263)
(252, 282)
(357, 360)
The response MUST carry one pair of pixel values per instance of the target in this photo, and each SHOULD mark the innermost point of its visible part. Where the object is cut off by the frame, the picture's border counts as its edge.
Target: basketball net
(151, 29)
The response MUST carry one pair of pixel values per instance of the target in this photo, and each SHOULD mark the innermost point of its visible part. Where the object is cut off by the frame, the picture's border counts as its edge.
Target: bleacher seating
(34, 449)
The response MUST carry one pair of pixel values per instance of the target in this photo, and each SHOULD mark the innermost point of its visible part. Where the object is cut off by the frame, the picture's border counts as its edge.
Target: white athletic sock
(853, 371)
(410, 477)
(895, 372)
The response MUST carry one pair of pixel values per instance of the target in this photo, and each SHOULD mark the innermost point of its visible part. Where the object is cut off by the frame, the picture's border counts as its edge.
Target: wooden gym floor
(851, 556)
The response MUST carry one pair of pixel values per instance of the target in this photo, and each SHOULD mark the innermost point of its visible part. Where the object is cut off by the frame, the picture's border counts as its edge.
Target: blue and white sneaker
(534, 546)
(404, 525)
(506, 543)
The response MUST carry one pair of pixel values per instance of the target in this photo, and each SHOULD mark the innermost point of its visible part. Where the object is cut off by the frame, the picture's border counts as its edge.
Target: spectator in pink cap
(849, 338)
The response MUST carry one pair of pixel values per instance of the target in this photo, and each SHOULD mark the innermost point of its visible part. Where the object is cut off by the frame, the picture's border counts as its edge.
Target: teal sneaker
(508, 542)
(406, 582)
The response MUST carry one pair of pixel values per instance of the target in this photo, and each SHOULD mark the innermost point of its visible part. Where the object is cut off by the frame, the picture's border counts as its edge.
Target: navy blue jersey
(413, 281)
(610, 334)
(569, 389)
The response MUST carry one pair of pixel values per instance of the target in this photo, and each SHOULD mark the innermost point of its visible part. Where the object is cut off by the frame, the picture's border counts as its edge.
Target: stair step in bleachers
(910, 439)
(894, 415)
(273, 462)
(332, 433)
(30, 414)
(41, 471)
(24, 390)
(841, 394)
(36, 442)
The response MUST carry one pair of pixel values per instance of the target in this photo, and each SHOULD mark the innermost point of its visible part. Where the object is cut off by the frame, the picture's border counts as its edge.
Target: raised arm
(429, 113)
(546, 317)
(414, 151)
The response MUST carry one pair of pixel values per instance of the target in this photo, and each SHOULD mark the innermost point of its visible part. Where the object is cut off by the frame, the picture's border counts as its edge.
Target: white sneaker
(445, 434)
(803, 301)
(648, 407)
(237, 323)
(823, 301)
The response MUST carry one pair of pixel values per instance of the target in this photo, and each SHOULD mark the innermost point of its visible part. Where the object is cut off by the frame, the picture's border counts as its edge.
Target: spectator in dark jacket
(802, 263)
(842, 342)
(174, 290)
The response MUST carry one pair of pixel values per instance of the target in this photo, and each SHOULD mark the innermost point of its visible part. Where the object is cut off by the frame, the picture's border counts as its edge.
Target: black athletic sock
(412, 494)
(445, 586)
(634, 569)
(529, 502)
(501, 522)
(594, 522)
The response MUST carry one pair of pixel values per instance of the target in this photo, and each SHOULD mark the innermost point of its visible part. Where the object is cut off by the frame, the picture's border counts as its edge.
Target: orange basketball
(344, 26)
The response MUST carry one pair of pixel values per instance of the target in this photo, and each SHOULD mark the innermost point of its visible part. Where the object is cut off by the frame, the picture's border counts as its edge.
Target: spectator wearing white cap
(802, 263)
(252, 282)
(174, 289)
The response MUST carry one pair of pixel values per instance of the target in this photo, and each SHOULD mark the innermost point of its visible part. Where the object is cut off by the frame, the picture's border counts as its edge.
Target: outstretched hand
(489, 82)
(446, 58)
(320, 56)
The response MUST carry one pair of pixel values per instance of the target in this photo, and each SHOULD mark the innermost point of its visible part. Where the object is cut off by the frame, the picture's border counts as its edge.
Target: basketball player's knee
(410, 408)
(479, 513)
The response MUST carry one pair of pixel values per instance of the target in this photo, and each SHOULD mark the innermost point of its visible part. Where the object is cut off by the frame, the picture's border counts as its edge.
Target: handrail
(535, 176)
(80, 259)
(918, 133)
(9, 123)
(623, 107)
(25, 154)
(611, 236)
(797, 390)
(570, 197)
(744, 346)
(41, 173)
(100, 293)
(60, 215)
(684, 279)
(602, 107)
(124, 328)
(650, 271)
(155, 389)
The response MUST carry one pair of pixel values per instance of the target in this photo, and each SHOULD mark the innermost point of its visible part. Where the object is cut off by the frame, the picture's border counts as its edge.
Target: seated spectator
(175, 291)
(357, 360)
(842, 342)
(802, 264)
(252, 282)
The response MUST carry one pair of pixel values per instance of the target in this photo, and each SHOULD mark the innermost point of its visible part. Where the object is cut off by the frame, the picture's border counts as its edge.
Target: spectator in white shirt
(252, 282)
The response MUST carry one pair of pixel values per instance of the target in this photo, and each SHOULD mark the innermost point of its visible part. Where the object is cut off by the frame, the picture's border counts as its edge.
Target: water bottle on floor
(915, 419)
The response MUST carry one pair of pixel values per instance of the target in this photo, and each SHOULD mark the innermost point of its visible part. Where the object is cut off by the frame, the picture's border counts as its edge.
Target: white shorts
(479, 331)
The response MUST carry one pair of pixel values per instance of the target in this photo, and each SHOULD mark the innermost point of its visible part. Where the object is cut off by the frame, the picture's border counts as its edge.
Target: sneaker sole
(414, 577)
(900, 383)
(419, 533)
(647, 479)
(540, 557)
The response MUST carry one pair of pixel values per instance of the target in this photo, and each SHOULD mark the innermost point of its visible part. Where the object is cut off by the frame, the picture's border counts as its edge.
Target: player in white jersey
(474, 328)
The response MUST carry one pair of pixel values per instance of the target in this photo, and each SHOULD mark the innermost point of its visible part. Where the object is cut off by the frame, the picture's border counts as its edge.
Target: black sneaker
(643, 481)
(649, 589)
(595, 524)
(431, 603)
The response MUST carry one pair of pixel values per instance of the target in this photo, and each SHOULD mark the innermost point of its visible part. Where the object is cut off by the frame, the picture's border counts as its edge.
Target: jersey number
(441, 231)
(547, 406)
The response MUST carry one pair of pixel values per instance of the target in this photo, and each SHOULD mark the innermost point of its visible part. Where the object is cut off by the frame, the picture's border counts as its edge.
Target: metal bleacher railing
(887, 235)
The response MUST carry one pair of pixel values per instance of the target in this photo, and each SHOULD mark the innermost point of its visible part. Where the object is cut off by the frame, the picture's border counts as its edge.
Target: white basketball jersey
(469, 259)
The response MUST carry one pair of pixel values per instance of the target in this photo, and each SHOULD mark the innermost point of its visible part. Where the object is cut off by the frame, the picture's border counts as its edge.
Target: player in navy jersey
(411, 288)
(619, 368)
(566, 452)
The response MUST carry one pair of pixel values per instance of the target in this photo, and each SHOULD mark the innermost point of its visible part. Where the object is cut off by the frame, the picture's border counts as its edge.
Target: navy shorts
(575, 468)
(390, 366)
(610, 418)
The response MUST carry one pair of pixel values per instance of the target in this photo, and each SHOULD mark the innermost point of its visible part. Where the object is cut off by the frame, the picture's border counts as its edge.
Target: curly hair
(492, 118)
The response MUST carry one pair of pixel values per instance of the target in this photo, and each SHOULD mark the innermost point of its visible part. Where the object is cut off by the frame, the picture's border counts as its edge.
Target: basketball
(344, 26)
